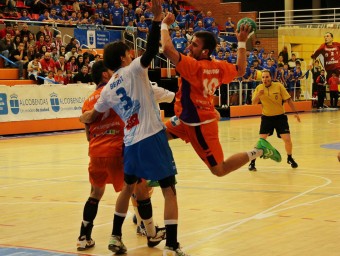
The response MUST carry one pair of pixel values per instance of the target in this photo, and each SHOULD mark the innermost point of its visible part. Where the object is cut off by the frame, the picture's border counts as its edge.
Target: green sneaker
(268, 150)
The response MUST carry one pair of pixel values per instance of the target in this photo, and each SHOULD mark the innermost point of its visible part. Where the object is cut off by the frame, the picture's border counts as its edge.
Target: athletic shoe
(83, 244)
(292, 163)
(116, 245)
(160, 235)
(268, 150)
(141, 231)
(252, 167)
(169, 251)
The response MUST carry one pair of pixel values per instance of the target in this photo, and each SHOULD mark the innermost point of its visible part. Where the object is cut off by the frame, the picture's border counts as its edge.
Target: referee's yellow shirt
(273, 98)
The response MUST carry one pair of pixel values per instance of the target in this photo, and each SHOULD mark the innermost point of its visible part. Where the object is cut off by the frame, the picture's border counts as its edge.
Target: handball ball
(248, 21)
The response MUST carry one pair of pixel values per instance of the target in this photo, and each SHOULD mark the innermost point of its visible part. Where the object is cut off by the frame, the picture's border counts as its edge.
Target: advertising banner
(96, 38)
(33, 102)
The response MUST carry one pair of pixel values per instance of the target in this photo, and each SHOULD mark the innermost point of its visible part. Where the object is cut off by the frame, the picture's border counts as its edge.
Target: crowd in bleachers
(45, 55)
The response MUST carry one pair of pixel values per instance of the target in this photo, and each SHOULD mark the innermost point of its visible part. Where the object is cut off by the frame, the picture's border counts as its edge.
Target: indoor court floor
(272, 212)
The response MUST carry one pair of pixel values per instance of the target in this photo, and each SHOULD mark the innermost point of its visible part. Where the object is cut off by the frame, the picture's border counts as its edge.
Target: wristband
(241, 45)
(164, 27)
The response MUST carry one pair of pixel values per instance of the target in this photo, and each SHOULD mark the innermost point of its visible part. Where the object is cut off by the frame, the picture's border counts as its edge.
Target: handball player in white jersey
(147, 153)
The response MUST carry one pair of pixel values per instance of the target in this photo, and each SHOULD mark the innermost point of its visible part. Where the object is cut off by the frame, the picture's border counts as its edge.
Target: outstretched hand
(244, 33)
(157, 9)
(169, 19)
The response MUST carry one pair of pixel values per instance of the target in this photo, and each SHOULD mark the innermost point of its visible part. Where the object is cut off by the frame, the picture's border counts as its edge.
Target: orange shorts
(107, 170)
(203, 138)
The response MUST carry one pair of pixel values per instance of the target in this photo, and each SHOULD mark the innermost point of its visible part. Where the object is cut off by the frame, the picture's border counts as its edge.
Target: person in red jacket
(334, 90)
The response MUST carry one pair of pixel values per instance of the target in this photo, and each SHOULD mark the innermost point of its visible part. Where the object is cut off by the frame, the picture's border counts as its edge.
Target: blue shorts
(150, 158)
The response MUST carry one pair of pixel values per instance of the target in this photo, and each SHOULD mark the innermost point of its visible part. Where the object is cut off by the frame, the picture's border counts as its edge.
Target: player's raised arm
(242, 37)
(168, 48)
(152, 46)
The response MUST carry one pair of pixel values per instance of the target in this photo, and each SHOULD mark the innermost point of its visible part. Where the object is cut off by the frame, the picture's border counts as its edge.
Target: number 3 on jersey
(124, 99)
(209, 86)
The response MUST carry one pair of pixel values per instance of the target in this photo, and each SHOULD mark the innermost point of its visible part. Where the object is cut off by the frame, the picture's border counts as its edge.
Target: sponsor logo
(14, 104)
(54, 100)
(3, 104)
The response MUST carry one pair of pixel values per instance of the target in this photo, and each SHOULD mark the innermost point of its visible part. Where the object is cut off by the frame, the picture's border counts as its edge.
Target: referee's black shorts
(279, 123)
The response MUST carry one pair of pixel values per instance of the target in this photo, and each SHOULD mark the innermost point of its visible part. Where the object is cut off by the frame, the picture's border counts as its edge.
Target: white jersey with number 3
(130, 95)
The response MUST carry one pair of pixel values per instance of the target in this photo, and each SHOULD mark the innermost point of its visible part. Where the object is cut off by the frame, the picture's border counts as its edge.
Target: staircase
(10, 76)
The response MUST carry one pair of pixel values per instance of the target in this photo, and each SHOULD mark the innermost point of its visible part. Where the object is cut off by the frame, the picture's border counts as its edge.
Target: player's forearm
(152, 46)
(241, 61)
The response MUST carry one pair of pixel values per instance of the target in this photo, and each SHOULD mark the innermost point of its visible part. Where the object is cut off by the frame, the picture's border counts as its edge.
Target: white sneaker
(168, 251)
(116, 245)
(83, 244)
(160, 235)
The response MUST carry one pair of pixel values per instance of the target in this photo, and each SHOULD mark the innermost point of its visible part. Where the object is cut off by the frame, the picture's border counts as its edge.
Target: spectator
(34, 68)
(106, 14)
(60, 64)
(174, 7)
(59, 77)
(40, 32)
(40, 43)
(136, 18)
(45, 17)
(230, 27)
(316, 71)
(116, 14)
(208, 20)
(62, 50)
(68, 79)
(31, 39)
(199, 26)
(6, 46)
(142, 31)
(83, 76)
(181, 19)
(284, 54)
(19, 57)
(71, 65)
(24, 16)
(189, 35)
(72, 43)
(214, 29)
(80, 61)
(64, 19)
(334, 82)
(31, 53)
(37, 5)
(321, 88)
(57, 6)
(179, 42)
(47, 64)
(191, 19)
(49, 79)
(148, 15)
(8, 29)
(71, 53)
(24, 30)
(16, 41)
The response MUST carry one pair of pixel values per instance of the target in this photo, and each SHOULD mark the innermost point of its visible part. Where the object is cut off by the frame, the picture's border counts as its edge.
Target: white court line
(264, 214)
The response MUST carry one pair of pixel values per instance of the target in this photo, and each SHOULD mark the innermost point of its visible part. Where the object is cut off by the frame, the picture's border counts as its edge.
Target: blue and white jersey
(130, 95)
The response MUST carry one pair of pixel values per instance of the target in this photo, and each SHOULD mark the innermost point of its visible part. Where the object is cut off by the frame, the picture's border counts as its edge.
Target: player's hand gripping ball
(245, 21)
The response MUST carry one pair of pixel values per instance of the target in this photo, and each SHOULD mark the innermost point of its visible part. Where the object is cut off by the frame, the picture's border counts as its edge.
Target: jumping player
(196, 119)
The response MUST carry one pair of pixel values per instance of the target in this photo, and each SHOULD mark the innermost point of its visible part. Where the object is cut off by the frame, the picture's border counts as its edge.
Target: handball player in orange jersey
(196, 118)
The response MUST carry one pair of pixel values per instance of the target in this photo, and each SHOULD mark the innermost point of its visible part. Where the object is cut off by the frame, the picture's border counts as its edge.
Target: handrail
(304, 17)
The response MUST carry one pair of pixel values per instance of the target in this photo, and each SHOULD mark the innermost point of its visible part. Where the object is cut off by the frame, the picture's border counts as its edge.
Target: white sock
(254, 153)
(150, 227)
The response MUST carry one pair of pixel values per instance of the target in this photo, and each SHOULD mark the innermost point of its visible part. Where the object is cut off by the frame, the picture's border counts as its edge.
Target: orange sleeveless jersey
(199, 81)
(106, 133)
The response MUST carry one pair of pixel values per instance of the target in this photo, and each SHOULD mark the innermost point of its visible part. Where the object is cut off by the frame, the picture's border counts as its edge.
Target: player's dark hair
(209, 40)
(330, 34)
(97, 70)
(113, 53)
